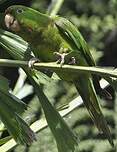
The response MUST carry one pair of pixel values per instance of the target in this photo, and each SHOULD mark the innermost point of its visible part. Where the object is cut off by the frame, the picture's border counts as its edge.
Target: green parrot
(57, 39)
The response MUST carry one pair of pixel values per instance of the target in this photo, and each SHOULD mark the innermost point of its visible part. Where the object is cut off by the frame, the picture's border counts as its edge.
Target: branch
(104, 72)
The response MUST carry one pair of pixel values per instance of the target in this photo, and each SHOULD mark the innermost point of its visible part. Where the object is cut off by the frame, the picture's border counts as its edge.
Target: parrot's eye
(19, 11)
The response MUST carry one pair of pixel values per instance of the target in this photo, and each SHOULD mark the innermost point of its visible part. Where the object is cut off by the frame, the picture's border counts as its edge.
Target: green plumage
(47, 35)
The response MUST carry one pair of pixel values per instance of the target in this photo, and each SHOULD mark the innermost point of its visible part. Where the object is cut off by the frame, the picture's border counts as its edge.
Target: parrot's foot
(73, 61)
(61, 56)
(32, 61)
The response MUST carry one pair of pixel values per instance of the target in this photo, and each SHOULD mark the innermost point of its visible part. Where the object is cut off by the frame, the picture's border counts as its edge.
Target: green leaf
(10, 106)
(54, 7)
(15, 45)
(4, 140)
(16, 126)
(4, 83)
(9, 99)
(65, 138)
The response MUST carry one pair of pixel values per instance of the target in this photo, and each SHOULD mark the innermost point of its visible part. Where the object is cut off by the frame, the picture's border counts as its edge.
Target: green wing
(71, 34)
(78, 42)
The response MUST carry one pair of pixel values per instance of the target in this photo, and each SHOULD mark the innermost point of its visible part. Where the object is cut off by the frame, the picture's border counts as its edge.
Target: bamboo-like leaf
(4, 140)
(4, 83)
(54, 7)
(65, 138)
(20, 50)
(10, 99)
(10, 107)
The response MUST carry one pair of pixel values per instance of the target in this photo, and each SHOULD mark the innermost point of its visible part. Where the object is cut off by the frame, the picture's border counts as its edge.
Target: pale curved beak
(9, 19)
(11, 23)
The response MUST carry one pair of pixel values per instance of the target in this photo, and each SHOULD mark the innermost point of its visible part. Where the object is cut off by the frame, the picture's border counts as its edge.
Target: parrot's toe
(32, 61)
(61, 57)
(73, 61)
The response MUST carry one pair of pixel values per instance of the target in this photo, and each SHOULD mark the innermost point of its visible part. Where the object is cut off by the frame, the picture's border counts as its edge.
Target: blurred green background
(97, 21)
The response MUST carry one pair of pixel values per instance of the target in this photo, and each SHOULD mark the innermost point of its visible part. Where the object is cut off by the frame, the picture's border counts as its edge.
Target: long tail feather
(91, 102)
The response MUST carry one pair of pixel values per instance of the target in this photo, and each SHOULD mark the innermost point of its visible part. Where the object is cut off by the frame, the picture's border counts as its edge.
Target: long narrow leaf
(10, 107)
(66, 140)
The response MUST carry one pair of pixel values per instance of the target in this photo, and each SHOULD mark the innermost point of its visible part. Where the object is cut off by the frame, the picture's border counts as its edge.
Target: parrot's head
(18, 18)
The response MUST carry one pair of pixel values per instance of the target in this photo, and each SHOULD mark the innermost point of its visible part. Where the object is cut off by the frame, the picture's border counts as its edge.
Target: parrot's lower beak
(11, 23)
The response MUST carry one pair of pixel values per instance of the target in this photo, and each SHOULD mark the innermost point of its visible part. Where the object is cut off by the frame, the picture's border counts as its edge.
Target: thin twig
(13, 63)
(109, 72)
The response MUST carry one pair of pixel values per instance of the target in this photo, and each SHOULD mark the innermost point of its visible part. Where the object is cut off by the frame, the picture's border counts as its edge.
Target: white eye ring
(19, 10)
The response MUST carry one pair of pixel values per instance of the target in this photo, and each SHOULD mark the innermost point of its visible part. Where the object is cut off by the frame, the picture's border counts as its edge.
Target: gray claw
(73, 61)
(61, 59)
(32, 61)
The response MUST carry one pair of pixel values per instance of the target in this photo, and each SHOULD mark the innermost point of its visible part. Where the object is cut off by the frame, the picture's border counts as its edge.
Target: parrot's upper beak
(11, 23)
(9, 20)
